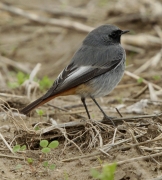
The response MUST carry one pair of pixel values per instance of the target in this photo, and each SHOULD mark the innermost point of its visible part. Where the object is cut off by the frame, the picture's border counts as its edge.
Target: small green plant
(37, 128)
(46, 148)
(66, 176)
(40, 112)
(100, 160)
(45, 83)
(20, 78)
(157, 77)
(107, 172)
(29, 160)
(17, 148)
(119, 99)
(140, 80)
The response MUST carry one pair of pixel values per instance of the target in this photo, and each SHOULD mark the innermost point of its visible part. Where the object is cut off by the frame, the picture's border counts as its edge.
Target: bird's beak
(123, 32)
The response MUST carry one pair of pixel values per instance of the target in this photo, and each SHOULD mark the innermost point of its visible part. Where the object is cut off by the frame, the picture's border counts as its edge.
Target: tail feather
(31, 106)
(35, 104)
(42, 100)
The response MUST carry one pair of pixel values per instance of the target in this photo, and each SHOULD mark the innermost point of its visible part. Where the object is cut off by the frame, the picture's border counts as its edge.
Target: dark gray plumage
(98, 65)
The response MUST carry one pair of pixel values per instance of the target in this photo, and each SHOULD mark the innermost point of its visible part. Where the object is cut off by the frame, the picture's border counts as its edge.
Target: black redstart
(94, 71)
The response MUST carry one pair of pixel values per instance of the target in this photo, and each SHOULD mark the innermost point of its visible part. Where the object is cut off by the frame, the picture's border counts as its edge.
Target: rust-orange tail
(40, 101)
(35, 104)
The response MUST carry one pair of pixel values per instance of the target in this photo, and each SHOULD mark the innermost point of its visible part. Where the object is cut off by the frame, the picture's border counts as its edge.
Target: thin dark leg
(105, 116)
(83, 101)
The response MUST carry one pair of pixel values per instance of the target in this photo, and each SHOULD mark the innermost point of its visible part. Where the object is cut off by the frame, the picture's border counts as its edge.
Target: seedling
(37, 128)
(20, 78)
(17, 148)
(140, 80)
(40, 112)
(66, 176)
(100, 161)
(107, 172)
(46, 148)
(157, 77)
(30, 161)
(45, 83)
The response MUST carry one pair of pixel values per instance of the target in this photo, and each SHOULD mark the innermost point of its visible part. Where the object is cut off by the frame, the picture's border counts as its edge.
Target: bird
(94, 70)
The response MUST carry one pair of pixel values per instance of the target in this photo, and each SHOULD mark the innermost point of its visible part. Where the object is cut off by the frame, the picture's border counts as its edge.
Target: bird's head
(104, 35)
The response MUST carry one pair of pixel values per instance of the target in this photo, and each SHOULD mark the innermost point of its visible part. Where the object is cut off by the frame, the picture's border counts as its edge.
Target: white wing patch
(76, 73)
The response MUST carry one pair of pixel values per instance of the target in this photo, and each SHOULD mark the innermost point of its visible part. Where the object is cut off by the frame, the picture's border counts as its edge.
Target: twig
(134, 76)
(157, 178)
(153, 96)
(71, 113)
(127, 85)
(133, 159)
(137, 144)
(10, 95)
(1, 136)
(141, 92)
(148, 63)
(76, 106)
(71, 12)
(65, 110)
(134, 49)
(56, 22)
(30, 84)
(118, 112)
(17, 65)
(142, 40)
(97, 153)
(8, 156)
(113, 140)
(134, 139)
(76, 124)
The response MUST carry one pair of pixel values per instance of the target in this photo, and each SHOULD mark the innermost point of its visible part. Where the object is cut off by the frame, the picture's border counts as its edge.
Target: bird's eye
(113, 35)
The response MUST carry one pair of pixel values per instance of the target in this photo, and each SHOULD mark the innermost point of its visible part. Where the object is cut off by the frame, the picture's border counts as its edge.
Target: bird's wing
(86, 64)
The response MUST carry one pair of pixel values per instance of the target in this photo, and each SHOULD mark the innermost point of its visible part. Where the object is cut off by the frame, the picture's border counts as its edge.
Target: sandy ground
(81, 147)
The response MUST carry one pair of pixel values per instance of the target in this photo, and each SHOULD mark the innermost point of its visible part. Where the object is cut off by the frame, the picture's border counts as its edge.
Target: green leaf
(140, 80)
(16, 148)
(37, 128)
(52, 166)
(43, 143)
(94, 173)
(21, 77)
(30, 160)
(107, 172)
(45, 163)
(40, 112)
(23, 148)
(45, 83)
(13, 85)
(53, 144)
(157, 77)
(46, 150)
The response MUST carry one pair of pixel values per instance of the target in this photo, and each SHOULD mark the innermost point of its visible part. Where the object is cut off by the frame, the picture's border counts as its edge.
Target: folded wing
(81, 69)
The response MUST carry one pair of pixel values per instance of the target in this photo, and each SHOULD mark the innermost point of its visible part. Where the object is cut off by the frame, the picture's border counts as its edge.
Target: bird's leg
(106, 117)
(83, 101)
